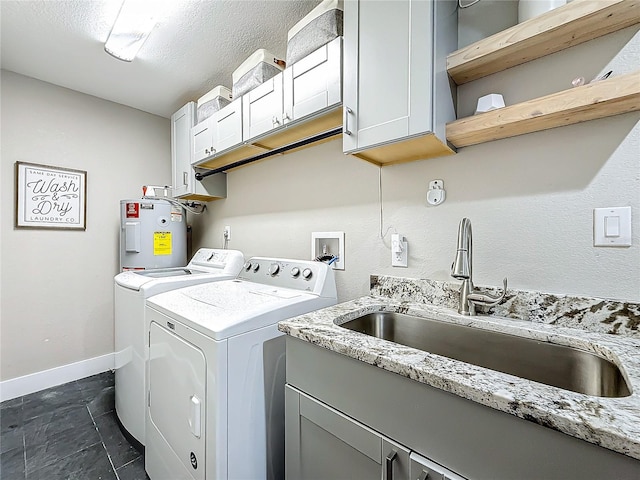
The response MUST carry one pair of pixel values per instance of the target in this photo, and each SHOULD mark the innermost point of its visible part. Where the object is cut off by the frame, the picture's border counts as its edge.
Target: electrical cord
(382, 235)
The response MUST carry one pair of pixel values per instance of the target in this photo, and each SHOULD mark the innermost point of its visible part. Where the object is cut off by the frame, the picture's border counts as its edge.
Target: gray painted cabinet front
(395, 83)
(366, 404)
(328, 445)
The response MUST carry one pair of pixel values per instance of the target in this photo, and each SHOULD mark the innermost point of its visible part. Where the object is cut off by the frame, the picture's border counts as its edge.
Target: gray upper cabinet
(397, 97)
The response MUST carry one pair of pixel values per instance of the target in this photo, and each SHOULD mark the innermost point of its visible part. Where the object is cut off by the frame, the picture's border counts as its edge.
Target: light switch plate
(612, 227)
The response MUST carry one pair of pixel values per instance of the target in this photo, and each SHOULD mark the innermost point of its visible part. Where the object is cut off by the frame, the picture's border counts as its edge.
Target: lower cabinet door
(322, 443)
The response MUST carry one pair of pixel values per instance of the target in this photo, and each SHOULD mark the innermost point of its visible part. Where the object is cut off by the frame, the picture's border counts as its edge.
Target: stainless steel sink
(544, 362)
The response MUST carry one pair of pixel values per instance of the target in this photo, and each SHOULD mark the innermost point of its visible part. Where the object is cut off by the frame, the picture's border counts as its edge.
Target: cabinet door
(322, 443)
(202, 140)
(262, 108)
(227, 128)
(181, 123)
(314, 82)
(388, 71)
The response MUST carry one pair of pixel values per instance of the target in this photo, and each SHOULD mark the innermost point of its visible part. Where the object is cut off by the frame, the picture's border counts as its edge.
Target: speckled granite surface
(613, 423)
(592, 314)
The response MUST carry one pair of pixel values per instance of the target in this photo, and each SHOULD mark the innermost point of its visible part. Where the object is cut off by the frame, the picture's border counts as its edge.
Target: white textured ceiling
(196, 47)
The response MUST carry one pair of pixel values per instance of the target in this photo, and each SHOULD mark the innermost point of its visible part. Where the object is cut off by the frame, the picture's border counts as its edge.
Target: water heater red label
(133, 210)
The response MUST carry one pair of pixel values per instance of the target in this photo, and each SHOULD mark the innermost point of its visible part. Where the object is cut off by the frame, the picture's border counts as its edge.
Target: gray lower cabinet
(322, 443)
(344, 418)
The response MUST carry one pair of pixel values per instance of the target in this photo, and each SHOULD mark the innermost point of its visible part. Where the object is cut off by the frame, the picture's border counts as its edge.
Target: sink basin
(557, 365)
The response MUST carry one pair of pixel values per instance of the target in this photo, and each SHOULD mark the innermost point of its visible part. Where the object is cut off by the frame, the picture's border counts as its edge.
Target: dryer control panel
(303, 275)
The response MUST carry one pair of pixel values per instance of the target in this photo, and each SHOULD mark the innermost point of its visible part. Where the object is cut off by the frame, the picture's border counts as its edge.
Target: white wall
(57, 286)
(530, 198)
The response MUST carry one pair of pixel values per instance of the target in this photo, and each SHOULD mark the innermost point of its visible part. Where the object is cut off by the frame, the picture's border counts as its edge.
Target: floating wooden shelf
(563, 27)
(589, 102)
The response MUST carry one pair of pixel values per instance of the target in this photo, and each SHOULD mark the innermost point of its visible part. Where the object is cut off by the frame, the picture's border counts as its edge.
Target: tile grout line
(115, 472)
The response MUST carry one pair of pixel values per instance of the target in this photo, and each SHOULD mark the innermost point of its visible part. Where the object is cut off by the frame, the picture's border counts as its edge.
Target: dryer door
(177, 374)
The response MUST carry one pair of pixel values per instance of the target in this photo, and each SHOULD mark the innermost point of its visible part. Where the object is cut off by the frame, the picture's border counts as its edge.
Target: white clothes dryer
(216, 370)
(132, 288)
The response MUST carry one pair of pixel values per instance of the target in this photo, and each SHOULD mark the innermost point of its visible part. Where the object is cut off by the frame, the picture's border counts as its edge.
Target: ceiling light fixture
(131, 28)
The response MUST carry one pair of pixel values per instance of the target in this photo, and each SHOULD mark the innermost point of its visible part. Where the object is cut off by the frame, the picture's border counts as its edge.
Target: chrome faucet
(461, 268)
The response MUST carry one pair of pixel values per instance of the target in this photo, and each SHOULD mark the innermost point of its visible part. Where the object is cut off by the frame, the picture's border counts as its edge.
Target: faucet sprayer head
(461, 266)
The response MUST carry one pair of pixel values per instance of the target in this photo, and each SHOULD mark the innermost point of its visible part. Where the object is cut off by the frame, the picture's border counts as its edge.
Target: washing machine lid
(136, 280)
(224, 309)
(217, 264)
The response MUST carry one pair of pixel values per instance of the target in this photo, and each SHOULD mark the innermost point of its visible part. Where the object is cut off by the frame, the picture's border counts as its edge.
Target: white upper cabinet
(298, 103)
(314, 83)
(182, 173)
(395, 81)
(185, 185)
(227, 126)
(262, 108)
(219, 132)
(202, 140)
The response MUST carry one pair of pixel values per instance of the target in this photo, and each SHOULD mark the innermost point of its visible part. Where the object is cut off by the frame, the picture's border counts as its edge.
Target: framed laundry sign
(50, 197)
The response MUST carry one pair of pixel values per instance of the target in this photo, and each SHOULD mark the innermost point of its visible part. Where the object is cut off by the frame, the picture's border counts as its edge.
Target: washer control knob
(247, 266)
(307, 273)
(274, 269)
(256, 267)
(295, 271)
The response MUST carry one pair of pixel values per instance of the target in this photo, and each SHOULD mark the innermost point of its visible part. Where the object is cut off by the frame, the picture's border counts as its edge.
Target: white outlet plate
(399, 251)
(227, 232)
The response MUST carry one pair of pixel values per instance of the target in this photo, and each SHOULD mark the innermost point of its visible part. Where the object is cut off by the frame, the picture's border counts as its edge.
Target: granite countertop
(612, 423)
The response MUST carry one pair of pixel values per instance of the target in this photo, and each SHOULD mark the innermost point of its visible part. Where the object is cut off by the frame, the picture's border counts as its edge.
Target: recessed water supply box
(328, 247)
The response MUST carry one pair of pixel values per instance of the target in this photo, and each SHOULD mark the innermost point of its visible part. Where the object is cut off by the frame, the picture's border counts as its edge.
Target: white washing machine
(216, 371)
(132, 288)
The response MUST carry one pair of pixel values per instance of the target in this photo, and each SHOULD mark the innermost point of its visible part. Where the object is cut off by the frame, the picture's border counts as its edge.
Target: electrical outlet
(227, 232)
(399, 251)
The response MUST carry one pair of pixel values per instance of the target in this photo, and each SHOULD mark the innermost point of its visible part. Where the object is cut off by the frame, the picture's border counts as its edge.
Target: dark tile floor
(67, 432)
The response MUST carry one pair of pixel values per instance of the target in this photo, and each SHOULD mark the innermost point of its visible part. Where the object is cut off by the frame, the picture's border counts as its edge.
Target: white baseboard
(34, 382)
